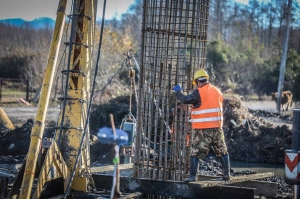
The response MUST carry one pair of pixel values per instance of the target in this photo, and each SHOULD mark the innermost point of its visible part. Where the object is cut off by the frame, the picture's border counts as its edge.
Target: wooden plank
(268, 189)
(236, 179)
(108, 168)
(15, 190)
(206, 177)
(211, 185)
(173, 188)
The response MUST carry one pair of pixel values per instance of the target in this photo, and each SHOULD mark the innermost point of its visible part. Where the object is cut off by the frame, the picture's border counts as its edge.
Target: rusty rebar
(174, 39)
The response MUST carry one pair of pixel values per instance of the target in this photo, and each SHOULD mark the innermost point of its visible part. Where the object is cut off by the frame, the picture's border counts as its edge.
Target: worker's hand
(177, 88)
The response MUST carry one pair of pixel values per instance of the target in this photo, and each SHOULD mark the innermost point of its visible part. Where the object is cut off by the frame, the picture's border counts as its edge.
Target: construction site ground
(254, 132)
(270, 106)
(20, 114)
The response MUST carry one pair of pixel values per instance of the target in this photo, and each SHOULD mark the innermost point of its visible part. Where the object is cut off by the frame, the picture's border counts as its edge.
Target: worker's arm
(193, 98)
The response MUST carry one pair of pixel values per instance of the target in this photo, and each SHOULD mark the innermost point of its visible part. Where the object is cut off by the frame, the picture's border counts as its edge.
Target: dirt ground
(270, 106)
(23, 116)
(20, 114)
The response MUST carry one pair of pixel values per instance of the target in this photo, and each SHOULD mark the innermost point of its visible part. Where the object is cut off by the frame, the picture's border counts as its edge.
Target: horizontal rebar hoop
(174, 38)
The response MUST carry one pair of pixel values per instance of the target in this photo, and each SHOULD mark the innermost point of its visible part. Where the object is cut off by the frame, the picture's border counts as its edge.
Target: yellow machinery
(67, 156)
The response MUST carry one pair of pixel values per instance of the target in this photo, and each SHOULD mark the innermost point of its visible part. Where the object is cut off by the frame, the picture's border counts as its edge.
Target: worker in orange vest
(207, 122)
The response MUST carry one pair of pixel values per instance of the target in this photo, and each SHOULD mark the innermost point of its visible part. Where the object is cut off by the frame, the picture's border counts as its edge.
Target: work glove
(176, 88)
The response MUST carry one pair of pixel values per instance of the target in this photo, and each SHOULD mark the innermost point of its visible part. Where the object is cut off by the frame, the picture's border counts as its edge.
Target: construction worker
(207, 122)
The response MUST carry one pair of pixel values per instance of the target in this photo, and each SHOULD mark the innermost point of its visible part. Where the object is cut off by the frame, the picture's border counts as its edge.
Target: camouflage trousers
(205, 139)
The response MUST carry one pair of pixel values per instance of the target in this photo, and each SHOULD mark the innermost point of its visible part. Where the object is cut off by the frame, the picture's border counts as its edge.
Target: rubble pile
(250, 137)
(15, 142)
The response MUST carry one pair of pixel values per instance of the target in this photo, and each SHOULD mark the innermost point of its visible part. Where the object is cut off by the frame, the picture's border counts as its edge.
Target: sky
(32, 9)
(240, 1)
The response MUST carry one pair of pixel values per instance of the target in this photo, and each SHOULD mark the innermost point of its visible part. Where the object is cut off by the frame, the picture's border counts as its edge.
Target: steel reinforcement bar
(174, 39)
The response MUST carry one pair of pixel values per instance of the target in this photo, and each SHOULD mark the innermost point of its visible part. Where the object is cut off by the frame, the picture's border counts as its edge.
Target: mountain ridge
(37, 23)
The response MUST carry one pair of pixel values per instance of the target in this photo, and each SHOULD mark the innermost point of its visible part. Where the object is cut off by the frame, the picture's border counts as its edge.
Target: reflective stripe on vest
(207, 119)
(212, 110)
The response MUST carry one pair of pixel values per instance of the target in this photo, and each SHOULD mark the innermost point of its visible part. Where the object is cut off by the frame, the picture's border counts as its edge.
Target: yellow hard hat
(200, 74)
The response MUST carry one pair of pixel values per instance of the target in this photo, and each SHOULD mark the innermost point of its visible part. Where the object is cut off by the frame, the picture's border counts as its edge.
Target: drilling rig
(65, 158)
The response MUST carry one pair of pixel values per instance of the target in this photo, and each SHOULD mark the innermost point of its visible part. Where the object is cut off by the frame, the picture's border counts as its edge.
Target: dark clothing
(193, 98)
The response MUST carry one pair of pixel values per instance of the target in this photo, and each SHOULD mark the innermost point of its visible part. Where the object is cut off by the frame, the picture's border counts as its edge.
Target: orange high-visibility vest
(210, 113)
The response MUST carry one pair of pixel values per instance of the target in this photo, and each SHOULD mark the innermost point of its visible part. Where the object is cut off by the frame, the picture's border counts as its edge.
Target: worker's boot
(226, 167)
(193, 169)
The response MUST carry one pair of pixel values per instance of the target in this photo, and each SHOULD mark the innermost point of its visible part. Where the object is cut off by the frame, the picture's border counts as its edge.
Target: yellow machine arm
(73, 116)
(62, 152)
(38, 128)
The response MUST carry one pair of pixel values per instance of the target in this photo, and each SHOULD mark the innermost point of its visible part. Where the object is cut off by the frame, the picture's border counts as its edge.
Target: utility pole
(283, 57)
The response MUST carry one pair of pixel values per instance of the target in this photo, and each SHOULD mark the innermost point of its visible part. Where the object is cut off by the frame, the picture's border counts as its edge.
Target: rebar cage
(174, 39)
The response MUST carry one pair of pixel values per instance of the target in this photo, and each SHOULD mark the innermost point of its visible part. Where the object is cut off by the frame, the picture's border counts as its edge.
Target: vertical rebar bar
(174, 37)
